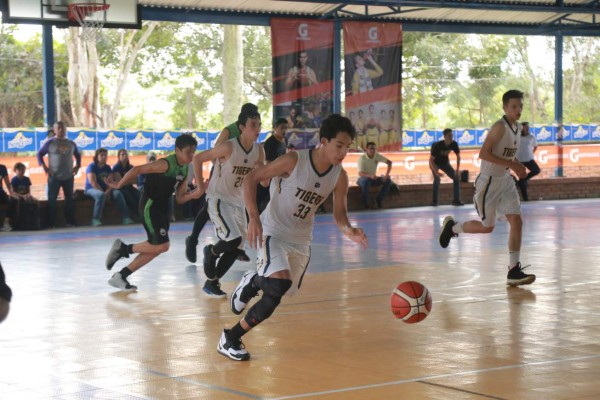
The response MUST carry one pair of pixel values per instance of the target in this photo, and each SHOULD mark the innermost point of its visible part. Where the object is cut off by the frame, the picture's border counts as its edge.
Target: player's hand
(111, 182)
(255, 233)
(357, 235)
(519, 169)
(196, 193)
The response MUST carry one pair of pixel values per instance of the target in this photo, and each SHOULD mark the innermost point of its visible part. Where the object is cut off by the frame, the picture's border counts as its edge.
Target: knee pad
(262, 310)
(274, 287)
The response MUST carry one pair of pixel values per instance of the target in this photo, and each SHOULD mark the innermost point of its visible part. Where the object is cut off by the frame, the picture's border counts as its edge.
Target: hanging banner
(302, 76)
(373, 63)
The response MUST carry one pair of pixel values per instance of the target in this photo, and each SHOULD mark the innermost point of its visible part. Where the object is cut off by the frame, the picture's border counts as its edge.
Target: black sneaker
(517, 277)
(210, 262)
(190, 249)
(233, 349)
(458, 203)
(242, 256)
(243, 293)
(213, 289)
(117, 251)
(446, 234)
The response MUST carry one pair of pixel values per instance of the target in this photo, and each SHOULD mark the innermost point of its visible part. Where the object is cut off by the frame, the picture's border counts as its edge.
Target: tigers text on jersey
(506, 148)
(290, 214)
(227, 178)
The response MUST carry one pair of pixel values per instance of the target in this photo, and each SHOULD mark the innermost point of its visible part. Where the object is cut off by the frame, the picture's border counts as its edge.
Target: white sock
(458, 227)
(513, 258)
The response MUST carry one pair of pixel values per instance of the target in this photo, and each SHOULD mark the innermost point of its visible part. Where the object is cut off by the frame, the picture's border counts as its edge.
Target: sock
(513, 258)
(130, 249)
(125, 272)
(236, 332)
(458, 228)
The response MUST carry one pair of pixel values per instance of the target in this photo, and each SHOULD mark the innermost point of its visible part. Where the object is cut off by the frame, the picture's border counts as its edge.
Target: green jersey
(234, 130)
(160, 187)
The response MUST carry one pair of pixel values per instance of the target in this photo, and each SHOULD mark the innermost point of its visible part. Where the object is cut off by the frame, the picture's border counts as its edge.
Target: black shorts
(155, 218)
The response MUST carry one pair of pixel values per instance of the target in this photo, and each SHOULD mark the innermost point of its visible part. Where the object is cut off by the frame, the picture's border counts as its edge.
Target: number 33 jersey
(289, 216)
(227, 178)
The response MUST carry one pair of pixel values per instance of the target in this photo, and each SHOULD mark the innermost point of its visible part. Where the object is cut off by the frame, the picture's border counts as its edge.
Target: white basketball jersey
(290, 213)
(227, 178)
(505, 148)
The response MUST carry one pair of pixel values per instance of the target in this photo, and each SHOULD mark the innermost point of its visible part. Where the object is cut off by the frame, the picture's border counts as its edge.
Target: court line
(422, 379)
(487, 396)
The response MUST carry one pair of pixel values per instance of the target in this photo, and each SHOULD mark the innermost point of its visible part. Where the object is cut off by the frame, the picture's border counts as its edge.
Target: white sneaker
(239, 298)
(121, 283)
(233, 349)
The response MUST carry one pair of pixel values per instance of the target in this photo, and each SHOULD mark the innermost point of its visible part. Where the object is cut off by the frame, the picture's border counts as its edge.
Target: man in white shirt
(367, 171)
(527, 146)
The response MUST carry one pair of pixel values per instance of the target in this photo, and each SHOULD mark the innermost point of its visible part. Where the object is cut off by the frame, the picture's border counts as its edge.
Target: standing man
(439, 160)
(274, 146)
(495, 190)
(525, 154)
(367, 171)
(60, 170)
(283, 233)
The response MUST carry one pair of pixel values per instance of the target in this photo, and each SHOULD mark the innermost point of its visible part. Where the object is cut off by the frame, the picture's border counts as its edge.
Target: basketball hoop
(91, 16)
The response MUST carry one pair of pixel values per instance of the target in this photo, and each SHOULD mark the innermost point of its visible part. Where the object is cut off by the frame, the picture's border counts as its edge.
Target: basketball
(411, 302)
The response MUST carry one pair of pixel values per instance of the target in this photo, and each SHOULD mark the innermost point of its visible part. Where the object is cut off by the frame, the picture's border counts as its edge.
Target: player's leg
(436, 188)
(192, 241)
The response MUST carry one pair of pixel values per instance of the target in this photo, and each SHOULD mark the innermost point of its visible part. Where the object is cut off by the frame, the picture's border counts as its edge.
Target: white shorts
(495, 196)
(276, 255)
(230, 222)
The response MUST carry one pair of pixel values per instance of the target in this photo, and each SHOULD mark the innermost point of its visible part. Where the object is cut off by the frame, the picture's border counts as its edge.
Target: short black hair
(18, 166)
(525, 123)
(185, 140)
(511, 94)
(447, 130)
(249, 107)
(280, 121)
(371, 144)
(246, 115)
(334, 124)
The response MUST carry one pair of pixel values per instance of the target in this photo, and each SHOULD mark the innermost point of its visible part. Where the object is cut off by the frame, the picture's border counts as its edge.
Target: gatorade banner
(302, 76)
(373, 60)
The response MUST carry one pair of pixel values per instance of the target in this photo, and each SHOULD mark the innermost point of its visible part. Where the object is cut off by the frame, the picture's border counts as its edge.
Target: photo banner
(302, 76)
(373, 60)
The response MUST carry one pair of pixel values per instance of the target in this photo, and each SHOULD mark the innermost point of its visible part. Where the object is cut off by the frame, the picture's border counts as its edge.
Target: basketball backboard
(120, 14)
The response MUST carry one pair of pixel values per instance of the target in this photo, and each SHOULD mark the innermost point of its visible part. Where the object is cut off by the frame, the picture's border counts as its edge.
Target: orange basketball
(411, 302)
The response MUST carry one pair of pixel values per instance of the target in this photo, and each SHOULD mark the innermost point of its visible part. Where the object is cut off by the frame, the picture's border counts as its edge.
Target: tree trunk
(233, 72)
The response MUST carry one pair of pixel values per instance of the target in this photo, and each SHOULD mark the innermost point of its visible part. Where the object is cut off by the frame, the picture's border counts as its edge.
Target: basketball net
(91, 16)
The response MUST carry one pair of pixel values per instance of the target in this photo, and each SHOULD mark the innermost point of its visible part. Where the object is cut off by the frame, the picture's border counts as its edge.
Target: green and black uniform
(154, 206)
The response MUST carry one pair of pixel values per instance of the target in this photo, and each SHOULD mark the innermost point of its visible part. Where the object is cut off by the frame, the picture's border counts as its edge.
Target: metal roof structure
(526, 17)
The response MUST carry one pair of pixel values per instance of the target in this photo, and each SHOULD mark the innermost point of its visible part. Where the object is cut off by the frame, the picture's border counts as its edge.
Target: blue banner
(139, 140)
(409, 139)
(595, 132)
(165, 140)
(85, 139)
(544, 134)
(112, 139)
(19, 140)
(466, 137)
(425, 138)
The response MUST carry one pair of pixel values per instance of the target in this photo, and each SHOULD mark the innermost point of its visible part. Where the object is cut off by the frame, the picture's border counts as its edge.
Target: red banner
(373, 59)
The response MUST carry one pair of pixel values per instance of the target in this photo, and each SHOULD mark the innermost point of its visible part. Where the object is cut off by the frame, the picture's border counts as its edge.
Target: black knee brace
(273, 291)
(222, 246)
(274, 287)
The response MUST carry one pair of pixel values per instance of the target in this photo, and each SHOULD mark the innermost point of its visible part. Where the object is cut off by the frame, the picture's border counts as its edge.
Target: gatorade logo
(303, 32)
(373, 35)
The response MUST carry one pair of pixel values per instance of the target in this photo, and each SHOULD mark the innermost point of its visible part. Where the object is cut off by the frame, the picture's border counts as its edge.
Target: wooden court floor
(71, 336)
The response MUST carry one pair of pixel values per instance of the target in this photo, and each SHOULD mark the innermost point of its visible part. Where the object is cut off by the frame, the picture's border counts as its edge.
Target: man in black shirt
(439, 161)
(274, 146)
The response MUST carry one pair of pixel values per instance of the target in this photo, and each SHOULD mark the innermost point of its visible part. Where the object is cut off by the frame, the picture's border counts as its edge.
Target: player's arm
(261, 162)
(389, 168)
(292, 75)
(183, 195)
(378, 70)
(221, 152)
(156, 167)
(222, 137)
(340, 212)
(282, 166)
(493, 137)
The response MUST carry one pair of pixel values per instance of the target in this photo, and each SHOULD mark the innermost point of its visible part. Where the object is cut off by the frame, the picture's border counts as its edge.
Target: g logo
(373, 34)
(303, 30)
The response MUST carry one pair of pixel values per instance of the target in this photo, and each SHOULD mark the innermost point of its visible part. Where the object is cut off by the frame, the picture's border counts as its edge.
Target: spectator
(131, 194)
(274, 146)
(525, 153)
(27, 208)
(95, 187)
(141, 178)
(367, 170)
(439, 160)
(6, 198)
(60, 171)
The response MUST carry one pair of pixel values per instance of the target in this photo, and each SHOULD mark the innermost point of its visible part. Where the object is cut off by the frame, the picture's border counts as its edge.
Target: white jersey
(506, 148)
(227, 178)
(290, 214)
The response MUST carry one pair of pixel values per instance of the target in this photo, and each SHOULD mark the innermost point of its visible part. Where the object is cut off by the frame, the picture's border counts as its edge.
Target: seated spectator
(367, 170)
(95, 187)
(131, 194)
(6, 198)
(27, 214)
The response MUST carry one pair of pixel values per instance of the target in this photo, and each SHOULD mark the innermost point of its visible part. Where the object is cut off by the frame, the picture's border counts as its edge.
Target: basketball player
(231, 131)
(234, 160)
(5, 296)
(302, 180)
(163, 177)
(495, 190)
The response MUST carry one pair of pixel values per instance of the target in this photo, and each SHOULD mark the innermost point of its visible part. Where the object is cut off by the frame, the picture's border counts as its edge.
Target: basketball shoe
(117, 251)
(190, 249)
(243, 293)
(121, 283)
(209, 262)
(213, 288)
(232, 348)
(446, 234)
(517, 277)
(242, 256)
